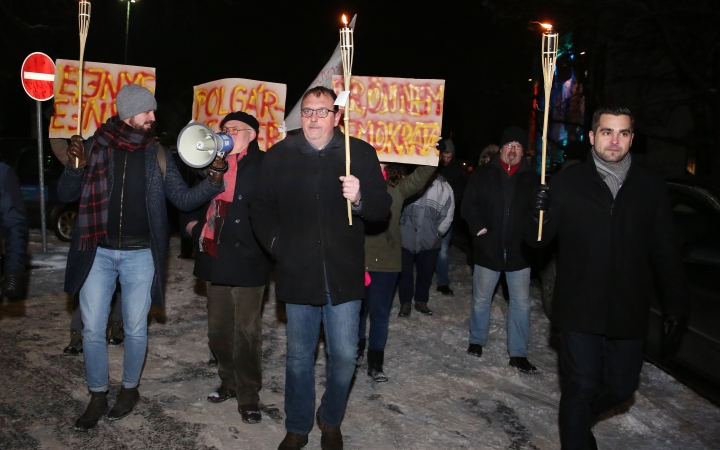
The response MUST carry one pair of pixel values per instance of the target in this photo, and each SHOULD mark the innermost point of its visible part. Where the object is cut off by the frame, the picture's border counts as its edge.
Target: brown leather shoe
(331, 438)
(293, 441)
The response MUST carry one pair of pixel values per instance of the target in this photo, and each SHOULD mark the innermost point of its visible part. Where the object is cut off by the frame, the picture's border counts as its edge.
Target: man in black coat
(122, 232)
(494, 206)
(614, 228)
(300, 215)
(235, 268)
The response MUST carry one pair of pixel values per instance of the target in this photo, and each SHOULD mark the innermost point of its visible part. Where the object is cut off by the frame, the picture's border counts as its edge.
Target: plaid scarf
(95, 196)
(219, 208)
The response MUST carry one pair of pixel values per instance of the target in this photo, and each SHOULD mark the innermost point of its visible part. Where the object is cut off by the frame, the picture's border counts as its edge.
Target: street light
(127, 26)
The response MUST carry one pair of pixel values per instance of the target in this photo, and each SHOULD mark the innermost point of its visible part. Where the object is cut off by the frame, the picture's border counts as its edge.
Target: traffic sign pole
(41, 166)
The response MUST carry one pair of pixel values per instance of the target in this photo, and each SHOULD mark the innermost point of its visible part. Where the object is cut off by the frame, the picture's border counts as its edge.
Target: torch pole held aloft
(549, 55)
(84, 25)
(346, 50)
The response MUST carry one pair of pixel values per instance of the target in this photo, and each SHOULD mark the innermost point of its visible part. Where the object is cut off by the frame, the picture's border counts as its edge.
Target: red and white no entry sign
(38, 76)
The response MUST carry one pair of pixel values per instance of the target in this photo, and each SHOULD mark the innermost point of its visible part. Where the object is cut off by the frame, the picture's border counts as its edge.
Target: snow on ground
(438, 396)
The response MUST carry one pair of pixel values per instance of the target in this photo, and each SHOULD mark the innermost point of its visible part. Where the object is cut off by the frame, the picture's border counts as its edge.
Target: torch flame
(344, 19)
(547, 26)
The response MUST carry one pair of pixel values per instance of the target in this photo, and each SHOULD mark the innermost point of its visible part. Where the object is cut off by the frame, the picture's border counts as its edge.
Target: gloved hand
(673, 329)
(216, 170)
(13, 286)
(540, 201)
(76, 152)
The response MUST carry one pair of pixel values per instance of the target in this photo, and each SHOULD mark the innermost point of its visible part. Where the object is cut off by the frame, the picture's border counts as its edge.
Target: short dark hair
(319, 91)
(395, 172)
(613, 111)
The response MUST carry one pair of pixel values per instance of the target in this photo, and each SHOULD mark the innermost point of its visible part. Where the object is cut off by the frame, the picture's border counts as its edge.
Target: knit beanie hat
(514, 134)
(134, 99)
(243, 117)
(446, 146)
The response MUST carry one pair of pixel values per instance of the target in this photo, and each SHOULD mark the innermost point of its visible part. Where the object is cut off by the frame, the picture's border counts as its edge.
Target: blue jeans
(377, 304)
(518, 327)
(136, 270)
(442, 267)
(341, 337)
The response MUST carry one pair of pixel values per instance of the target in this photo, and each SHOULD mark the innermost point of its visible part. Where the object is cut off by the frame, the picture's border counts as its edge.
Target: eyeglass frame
(226, 130)
(316, 112)
(510, 145)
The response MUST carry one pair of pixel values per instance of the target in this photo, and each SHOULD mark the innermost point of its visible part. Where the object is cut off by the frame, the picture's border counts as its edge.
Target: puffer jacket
(426, 220)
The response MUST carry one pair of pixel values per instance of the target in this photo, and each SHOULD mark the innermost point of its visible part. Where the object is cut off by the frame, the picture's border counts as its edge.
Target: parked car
(696, 212)
(22, 155)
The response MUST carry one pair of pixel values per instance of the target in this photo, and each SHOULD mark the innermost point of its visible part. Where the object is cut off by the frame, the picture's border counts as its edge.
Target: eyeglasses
(234, 130)
(321, 113)
(515, 146)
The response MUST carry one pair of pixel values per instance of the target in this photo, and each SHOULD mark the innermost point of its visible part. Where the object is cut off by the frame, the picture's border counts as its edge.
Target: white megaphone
(198, 144)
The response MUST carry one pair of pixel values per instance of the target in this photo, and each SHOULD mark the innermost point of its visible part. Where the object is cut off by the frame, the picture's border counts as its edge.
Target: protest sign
(400, 117)
(266, 101)
(102, 82)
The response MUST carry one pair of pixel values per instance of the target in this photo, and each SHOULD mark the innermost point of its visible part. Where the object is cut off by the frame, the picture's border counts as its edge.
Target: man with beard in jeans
(121, 177)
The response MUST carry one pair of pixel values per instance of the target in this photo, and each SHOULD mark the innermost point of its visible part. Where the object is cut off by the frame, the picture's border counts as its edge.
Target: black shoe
(75, 347)
(212, 362)
(592, 443)
(475, 350)
(126, 401)
(404, 310)
(331, 438)
(293, 441)
(250, 413)
(97, 408)
(522, 364)
(117, 334)
(375, 359)
(220, 395)
(445, 289)
(423, 309)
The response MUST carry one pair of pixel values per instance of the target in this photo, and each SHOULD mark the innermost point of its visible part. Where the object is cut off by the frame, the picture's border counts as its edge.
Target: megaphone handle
(222, 169)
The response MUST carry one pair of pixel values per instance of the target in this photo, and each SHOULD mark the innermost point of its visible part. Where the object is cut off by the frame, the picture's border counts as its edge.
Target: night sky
(485, 62)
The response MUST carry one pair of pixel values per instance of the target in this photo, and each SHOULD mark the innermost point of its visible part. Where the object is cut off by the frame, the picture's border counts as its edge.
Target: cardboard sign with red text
(266, 101)
(102, 82)
(400, 117)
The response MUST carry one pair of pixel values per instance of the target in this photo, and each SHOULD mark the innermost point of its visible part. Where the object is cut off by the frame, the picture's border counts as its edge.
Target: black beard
(140, 128)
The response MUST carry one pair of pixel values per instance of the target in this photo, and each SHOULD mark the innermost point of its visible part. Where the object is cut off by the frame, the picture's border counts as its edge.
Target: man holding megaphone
(121, 177)
(234, 267)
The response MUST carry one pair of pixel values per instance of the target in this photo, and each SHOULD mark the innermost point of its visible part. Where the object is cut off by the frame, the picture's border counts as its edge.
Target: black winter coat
(499, 203)
(300, 216)
(240, 259)
(13, 221)
(608, 250)
(173, 187)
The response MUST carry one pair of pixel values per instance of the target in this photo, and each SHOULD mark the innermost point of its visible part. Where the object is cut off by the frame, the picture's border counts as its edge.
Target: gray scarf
(613, 174)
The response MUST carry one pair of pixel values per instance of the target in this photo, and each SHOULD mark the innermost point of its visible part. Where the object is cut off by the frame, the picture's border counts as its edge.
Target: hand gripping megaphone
(198, 144)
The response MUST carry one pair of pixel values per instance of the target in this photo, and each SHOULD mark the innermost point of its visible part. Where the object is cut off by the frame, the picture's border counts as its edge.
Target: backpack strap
(161, 160)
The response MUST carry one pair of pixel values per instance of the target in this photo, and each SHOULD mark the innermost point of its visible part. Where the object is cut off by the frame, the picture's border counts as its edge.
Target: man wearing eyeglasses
(235, 268)
(494, 205)
(300, 216)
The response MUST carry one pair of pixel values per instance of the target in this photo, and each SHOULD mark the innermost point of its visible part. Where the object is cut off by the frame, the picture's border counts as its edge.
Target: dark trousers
(424, 261)
(235, 334)
(597, 374)
(377, 304)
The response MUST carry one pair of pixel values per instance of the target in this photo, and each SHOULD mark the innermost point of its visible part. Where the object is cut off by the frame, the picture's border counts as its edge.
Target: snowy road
(438, 397)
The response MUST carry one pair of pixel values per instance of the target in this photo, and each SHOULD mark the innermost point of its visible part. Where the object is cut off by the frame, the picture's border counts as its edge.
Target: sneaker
(423, 308)
(475, 350)
(445, 289)
(293, 441)
(250, 413)
(377, 374)
(75, 347)
(220, 395)
(404, 310)
(522, 364)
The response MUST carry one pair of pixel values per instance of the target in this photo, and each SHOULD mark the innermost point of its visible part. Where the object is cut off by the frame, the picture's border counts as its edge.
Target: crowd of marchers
(290, 208)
